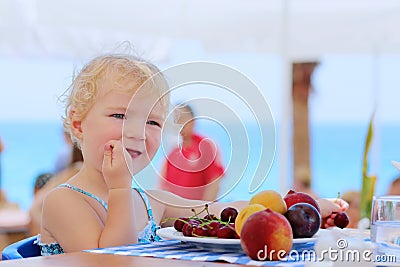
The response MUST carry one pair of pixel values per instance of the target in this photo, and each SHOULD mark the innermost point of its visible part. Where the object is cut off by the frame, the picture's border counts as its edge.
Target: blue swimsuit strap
(102, 202)
(146, 202)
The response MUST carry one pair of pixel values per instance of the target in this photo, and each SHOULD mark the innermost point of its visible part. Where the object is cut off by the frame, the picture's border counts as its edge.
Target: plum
(304, 219)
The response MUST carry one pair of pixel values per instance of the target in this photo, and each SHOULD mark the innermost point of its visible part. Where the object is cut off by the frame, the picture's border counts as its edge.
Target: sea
(31, 148)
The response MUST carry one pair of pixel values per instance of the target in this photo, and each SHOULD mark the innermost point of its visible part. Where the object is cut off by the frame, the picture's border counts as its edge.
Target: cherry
(201, 231)
(210, 225)
(232, 226)
(187, 229)
(214, 227)
(226, 232)
(210, 217)
(229, 214)
(179, 223)
(341, 220)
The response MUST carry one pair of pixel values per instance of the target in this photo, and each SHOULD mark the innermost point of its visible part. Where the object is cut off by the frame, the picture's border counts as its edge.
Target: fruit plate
(203, 242)
(310, 239)
(222, 243)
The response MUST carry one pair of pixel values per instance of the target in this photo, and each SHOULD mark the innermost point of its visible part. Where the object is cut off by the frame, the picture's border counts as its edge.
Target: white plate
(309, 239)
(171, 233)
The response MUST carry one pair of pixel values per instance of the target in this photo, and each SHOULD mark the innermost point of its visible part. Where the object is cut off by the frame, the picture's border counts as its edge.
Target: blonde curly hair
(82, 93)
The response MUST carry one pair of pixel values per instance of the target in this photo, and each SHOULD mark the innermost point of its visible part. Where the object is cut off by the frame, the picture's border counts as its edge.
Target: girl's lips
(134, 153)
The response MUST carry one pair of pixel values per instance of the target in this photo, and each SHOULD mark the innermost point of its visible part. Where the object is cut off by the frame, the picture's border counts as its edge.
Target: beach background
(32, 148)
(347, 89)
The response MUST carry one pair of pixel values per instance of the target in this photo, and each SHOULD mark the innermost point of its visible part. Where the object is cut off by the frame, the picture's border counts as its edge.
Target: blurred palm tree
(368, 180)
(301, 89)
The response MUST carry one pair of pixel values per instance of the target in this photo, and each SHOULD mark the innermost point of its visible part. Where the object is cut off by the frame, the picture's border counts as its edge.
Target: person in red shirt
(194, 169)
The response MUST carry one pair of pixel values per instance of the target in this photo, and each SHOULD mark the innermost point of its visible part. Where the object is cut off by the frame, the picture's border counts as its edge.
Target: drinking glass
(385, 219)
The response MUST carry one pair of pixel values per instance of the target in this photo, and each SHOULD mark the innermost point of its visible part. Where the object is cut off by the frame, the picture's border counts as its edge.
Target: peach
(266, 235)
(270, 199)
(244, 214)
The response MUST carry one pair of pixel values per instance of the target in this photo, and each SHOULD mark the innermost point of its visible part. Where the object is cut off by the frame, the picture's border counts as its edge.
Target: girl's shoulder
(61, 197)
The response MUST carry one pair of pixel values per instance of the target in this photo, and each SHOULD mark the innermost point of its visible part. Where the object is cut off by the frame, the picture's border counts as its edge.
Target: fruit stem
(206, 208)
(168, 219)
(197, 213)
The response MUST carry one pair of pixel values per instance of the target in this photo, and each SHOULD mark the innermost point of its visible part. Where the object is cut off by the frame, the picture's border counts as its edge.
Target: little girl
(115, 111)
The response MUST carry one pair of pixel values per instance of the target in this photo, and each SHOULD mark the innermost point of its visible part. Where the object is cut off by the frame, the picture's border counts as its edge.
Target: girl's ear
(76, 125)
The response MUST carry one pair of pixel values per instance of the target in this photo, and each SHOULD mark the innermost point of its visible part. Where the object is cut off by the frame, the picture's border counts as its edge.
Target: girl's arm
(175, 206)
(120, 226)
(75, 224)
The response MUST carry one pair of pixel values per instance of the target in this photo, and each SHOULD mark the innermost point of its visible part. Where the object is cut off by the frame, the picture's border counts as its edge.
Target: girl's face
(116, 115)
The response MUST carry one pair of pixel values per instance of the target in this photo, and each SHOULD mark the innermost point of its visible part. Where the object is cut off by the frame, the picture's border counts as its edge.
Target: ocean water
(31, 148)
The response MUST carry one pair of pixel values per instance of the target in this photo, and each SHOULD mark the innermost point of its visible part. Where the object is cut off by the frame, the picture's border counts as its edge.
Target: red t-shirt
(193, 167)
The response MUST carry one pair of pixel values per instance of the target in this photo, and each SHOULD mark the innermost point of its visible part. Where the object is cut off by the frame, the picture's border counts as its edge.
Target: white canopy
(81, 28)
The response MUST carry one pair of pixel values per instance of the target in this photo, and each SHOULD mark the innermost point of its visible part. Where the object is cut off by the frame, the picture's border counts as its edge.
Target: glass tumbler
(385, 219)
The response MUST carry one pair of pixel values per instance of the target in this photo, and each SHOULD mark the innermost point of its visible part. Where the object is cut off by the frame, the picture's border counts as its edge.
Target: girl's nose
(136, 130)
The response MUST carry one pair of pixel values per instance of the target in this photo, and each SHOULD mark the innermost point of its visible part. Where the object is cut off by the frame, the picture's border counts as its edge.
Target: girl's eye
(118, 116)
(153, 123)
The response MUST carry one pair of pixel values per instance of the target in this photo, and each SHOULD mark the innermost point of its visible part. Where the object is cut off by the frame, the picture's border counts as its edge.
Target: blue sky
(346, 86)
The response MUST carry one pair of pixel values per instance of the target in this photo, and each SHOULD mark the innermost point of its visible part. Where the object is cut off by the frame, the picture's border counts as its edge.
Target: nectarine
(266, 235)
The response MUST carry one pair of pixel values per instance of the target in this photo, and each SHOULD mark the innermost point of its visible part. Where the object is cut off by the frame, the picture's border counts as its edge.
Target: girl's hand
(329, 208)
(117, 166)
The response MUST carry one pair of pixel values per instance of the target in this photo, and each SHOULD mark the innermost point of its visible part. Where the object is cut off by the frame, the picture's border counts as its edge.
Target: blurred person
(64, 157)
(194, 169)
(1, 145)
(394, 187)
(302, 183)
(3, 197)
(41, 181)
(353, 199)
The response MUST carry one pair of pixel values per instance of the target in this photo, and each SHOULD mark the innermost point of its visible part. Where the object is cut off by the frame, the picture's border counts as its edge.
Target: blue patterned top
(147, 235)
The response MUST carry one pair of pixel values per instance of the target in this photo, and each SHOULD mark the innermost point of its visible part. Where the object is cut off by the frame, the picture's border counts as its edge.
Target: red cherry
(229, 214)
(201, 231)
(179, 223)
(187, 230)
(226, 232)
(341, 219)
(214, 228)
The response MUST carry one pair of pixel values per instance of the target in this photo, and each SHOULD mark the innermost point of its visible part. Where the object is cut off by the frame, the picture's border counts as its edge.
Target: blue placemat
(175, 249)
